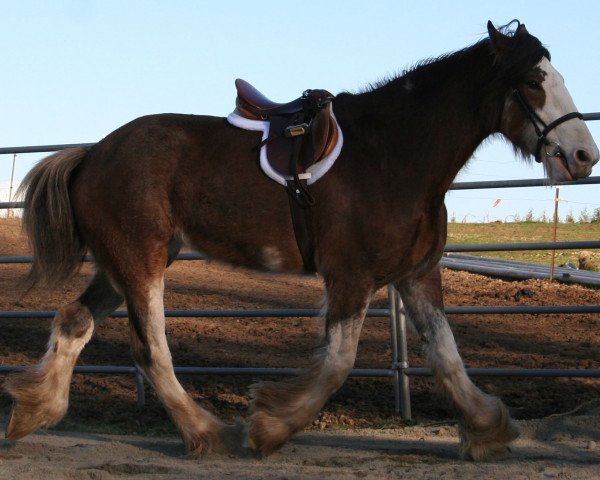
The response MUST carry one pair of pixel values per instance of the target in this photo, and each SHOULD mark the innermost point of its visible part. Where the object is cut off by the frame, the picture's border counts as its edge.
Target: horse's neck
(435, 117)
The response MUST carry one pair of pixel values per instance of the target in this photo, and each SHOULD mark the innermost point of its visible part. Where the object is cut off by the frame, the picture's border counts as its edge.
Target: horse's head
(539, 116)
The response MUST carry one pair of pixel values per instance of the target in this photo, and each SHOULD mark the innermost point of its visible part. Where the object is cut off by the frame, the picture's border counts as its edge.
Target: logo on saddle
(301, 139)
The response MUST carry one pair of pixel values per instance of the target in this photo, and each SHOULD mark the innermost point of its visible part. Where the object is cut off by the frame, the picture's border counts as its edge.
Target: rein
(536, 121)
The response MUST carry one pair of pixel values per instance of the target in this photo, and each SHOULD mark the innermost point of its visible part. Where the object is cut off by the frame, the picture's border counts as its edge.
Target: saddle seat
(253, 104)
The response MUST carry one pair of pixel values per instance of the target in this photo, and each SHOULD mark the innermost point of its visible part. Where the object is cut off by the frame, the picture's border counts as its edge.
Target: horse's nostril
(583, 157)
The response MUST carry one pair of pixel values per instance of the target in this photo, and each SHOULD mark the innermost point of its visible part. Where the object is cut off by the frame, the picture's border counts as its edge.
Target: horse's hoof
(234, 441)
(20, 425)
(36, 404)
(493, 445)
(266, 433)
(11, 433)
(226, 440)
(487, 452)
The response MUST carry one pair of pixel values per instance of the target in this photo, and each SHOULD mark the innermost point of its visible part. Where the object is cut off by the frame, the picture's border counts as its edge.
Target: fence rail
(313, 312)
(399, 370)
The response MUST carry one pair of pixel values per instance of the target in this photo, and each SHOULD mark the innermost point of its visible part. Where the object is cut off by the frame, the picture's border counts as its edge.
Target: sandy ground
(343, 442)
(565, 447)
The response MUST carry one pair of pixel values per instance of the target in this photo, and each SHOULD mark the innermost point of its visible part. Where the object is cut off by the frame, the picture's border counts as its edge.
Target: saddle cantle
(301, 140)
(253, 104)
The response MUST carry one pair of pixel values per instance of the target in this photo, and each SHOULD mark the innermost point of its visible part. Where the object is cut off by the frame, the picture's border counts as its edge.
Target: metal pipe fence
(399, 371)
(314, 313)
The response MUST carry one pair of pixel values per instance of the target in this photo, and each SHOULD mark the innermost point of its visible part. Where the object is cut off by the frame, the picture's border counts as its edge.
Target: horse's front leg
(485, 425)
(280, 409)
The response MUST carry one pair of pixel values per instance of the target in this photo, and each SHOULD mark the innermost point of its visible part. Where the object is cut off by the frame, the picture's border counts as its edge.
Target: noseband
(536, 121)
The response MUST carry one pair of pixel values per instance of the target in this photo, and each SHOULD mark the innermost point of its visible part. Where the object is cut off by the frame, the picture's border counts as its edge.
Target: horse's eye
(534, 85)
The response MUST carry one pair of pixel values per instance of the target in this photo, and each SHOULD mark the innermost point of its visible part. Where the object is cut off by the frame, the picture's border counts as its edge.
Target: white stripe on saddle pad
(313, 173)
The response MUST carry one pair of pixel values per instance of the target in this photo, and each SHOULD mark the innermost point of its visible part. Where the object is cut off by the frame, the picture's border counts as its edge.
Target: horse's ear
(500, 42)
(522, 30)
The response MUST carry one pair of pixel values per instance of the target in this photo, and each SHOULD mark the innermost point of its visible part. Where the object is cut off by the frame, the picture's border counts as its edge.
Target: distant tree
(569, 218)
(453, 218)
(584, 216)
(543, 217)
(529, 216)
(595, 216)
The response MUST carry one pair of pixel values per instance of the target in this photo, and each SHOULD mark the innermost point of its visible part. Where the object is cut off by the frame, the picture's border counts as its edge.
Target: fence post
(9, 213)
(139, 386)
(399, 354)
(554, 228)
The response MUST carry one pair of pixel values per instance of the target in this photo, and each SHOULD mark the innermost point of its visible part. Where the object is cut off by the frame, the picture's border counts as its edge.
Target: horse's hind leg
(485, 425)
(281, 409)
(201, 431)
(41, 394)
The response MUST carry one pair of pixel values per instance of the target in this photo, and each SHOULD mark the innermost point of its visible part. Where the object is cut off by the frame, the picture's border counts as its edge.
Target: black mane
(508, 67)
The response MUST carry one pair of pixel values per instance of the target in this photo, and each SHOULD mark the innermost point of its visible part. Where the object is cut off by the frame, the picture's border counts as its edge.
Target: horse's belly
(248, 226)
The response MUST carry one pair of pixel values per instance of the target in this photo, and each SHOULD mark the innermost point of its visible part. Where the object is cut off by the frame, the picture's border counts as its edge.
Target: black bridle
(536, 121)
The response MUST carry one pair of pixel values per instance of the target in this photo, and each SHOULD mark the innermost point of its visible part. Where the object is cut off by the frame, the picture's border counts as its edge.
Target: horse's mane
(525, 51)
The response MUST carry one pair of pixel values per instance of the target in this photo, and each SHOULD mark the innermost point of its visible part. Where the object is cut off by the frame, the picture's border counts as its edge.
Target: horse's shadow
(350, 444)
(385, 446)
(345, 448)
(174, 448)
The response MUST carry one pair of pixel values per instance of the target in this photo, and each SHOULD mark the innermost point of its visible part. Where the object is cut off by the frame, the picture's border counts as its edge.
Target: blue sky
(74, 70)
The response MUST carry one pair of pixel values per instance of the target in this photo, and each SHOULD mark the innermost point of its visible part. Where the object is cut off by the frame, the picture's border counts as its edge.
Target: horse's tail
(48, 219)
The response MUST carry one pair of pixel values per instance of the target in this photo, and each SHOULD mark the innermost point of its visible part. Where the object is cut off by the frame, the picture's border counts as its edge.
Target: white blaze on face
(573, 137)
(558, 99)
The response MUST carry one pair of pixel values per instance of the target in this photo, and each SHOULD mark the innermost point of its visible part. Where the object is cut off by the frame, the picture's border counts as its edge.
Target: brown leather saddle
(301, 133)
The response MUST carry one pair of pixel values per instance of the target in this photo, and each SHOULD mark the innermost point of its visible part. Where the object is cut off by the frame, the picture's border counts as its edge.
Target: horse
(378, 218)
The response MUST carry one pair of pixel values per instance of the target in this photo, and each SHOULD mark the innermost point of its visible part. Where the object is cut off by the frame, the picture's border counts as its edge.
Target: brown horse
(378, 218)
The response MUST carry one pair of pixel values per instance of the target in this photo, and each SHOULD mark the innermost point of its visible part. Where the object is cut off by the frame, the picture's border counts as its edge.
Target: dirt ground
(357, 434)
(556, 447)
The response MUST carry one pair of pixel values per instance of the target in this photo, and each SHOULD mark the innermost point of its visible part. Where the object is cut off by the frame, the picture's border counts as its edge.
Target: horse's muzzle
(568, 166)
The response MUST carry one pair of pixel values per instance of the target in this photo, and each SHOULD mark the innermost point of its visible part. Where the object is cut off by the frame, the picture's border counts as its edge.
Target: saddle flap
(320, 141)
(324, 134)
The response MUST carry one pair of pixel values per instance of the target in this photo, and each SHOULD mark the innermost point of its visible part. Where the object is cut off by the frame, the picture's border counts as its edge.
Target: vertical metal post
(9, 213)
(556, 200)
(394, 339)
(139, 386)
(399, 354)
